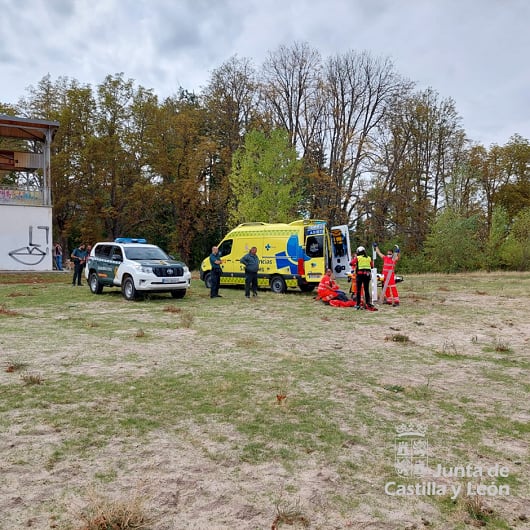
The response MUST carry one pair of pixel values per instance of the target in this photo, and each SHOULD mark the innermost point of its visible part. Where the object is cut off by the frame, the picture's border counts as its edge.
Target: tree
(230, 102)
(514, 193)
(264, 177)
(452, 244)
(73, 106)
(291, 92)
(516, 250)
(486, 167)
(357, 147)
(178, 157)
(494, 256)
(359, 92)
(422, 145)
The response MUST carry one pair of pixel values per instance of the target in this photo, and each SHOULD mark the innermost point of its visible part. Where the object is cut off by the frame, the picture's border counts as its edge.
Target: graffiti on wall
(32, 254)
(12, 196)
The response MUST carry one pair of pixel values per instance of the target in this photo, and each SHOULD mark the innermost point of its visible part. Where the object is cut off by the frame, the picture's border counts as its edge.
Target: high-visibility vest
(364, 263)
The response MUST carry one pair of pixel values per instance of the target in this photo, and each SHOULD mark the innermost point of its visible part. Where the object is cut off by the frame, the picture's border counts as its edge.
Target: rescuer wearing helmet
(363, 266)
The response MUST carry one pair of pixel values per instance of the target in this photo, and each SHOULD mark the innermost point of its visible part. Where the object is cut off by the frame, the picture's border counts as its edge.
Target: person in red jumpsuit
(328, 289)
(391, 295)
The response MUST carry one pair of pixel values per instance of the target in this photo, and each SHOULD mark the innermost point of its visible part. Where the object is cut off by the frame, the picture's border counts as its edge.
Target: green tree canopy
(265, 179)
(452, 245)
(516, 250)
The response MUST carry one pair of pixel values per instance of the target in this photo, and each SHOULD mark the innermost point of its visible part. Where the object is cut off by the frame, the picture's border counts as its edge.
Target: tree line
(343, 138)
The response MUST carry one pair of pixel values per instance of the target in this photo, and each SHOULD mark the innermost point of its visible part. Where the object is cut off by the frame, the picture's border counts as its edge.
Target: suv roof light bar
(130, 240)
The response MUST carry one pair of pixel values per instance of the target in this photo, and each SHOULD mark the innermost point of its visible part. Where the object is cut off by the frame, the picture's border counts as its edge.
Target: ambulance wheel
(278, 285)
(208, 280)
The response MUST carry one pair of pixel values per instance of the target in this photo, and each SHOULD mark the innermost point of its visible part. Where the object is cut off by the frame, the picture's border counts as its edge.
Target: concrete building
(26, 207)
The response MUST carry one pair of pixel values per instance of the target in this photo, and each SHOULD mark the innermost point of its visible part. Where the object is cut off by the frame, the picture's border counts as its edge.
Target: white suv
(136, 268)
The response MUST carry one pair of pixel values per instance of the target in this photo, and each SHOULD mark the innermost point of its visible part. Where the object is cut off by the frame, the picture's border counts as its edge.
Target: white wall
(25, 238)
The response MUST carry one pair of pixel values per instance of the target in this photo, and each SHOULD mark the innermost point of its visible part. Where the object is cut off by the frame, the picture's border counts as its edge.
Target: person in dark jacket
(251, 264)
(78, 256)
(215, 262)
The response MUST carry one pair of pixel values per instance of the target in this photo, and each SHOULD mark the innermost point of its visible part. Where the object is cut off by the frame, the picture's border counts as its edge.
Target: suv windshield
(140, 253)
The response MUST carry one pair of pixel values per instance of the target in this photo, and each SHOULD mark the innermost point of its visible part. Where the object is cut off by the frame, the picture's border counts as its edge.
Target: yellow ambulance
(292, 255)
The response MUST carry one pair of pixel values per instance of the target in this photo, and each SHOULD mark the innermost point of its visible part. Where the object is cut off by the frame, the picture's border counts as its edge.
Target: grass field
(268, 413)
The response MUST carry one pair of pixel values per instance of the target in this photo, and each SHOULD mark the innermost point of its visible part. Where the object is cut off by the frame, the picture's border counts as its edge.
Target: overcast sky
(473, 51)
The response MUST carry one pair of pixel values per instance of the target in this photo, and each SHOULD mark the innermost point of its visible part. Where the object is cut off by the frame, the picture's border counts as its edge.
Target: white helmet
(360, 249)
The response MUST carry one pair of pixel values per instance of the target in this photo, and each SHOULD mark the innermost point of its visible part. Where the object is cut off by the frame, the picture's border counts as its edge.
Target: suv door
(104, 267)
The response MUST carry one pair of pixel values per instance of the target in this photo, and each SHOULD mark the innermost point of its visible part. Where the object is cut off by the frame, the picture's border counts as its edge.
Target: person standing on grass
(251, 264)
(79, 258)
(58, 256)
(215, 262)
(391, 295)
(363, 266)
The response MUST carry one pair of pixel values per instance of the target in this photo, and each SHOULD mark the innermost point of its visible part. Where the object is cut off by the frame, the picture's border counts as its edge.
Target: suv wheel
(128, 290)
(95, 285)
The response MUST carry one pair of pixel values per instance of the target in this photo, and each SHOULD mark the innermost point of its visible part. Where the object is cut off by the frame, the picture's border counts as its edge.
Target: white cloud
(472, 51)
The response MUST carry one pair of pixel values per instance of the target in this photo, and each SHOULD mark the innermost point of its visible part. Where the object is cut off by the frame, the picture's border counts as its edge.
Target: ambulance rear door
(340, 251)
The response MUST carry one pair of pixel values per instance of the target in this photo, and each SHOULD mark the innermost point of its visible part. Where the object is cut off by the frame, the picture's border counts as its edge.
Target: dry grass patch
(122, 514)
(32, 379)
(502, 347)
(476, 512)
(8, 312)
(246, 343)
(290, 514)
(397, 337)
(14, 366)
(186, 319)
(172, 309)
(17, 294)
(449, 348)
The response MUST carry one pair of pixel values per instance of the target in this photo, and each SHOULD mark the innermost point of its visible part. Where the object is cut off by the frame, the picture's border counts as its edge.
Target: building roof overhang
(27, 129)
